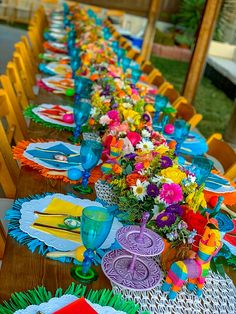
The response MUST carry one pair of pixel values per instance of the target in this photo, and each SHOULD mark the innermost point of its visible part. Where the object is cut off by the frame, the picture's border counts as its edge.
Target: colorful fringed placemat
(39, 295)
(18, 153)
(34, 244)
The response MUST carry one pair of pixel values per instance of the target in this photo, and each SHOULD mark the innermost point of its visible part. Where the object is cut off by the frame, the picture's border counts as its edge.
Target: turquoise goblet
(82, 110)
(96, 224)
(181, 130)
(90, 154)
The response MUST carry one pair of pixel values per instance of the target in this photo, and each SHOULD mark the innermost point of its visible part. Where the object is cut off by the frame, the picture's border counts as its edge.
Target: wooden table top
(22, 270)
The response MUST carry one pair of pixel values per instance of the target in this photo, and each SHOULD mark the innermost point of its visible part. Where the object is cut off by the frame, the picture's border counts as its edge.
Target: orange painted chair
(223, 153)
(14, 77)
(168, 90)
(147, 67)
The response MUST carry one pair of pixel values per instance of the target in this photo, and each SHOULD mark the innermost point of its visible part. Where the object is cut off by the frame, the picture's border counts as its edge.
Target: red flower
(195, 221)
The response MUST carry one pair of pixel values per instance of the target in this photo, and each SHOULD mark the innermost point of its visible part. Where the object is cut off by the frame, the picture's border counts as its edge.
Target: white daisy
(140, 189)
(145, 145)
(93, 111)
(127, 105)
(161, 179)
(145, 133)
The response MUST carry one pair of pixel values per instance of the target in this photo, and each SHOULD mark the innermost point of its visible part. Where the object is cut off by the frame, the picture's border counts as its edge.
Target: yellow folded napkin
(52, 224)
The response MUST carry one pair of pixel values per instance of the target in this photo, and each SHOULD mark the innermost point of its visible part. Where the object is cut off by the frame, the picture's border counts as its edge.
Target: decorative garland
(14, 216)
(18, 153)
(28, 113)
(20, 300)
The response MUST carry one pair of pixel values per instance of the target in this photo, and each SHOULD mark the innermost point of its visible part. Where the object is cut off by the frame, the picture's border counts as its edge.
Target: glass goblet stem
(85, 178)
(77, 132)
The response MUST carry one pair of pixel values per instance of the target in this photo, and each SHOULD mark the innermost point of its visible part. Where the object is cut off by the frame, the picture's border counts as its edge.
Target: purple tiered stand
(132, 267)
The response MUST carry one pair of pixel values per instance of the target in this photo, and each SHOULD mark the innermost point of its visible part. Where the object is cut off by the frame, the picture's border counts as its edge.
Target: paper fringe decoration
(28, 113)
(229, 198)
(14, 215)
(20, 300)
(18, 152)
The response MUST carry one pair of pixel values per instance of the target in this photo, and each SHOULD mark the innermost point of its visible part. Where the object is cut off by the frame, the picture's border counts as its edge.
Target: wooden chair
(188, 113)
(34, 61)
(21, 49)
(132, 53)
(147, 67)
(139, 59)
(168, 90)
(155, 77)
(8, 186)
(36, 42)
(10, 133)
(16, 82)
(7, 86)
(24, 75)
(223, 153)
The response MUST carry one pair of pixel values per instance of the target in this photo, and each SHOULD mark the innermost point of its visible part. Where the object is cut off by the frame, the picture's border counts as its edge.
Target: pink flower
(134, 137)
(104, 120)
(113, 115)
(171, 193)
(139, 166)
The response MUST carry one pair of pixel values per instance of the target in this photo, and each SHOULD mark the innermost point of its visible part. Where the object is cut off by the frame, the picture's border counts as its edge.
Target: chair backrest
(155, 77)
(147, 67)
(168, 90)
(224, 153)
(8, 184)
(187, 112)
(21, 49)
(14, 77)
(7, 86)
(24, 75)
(29, 50)
(132, 54)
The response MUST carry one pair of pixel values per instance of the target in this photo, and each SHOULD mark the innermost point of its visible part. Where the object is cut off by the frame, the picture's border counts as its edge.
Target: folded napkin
(78, 306)
(53, 224)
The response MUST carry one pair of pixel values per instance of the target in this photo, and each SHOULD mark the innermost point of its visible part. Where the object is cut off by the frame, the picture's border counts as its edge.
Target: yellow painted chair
(188, 113)
(147, 67)
(34, 61)
(155, 77)
(21, 49)
(168, 90)
(139, 59)
(24, 75)
(14, 104)
(14, 77)
(223, 153)
(10, 133)
(132, 53)
(8, 186)
(34, 40)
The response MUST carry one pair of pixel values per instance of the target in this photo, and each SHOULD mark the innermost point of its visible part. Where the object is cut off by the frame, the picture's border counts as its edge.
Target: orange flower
(132, 178)
(94, 77)
(117, 169)
(146, 164)
(91, 121)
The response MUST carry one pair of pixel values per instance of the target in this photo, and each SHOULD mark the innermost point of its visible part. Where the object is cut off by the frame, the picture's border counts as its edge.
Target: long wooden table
(22, 270)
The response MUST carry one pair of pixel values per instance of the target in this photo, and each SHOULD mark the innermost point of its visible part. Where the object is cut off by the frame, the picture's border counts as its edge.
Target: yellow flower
(161, 149)
(131, 116)
(174, 174)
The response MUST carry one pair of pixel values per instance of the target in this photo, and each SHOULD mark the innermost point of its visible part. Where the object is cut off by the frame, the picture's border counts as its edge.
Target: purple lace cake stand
(150, 244)
(145, 276)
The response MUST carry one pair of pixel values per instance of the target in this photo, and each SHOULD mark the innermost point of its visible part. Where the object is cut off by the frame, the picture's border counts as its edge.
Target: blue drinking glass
(81, 110)
(181, 131)
(96, 224)
(90, 154)
(201, 167)
(126, 63)
(83, 86)
(135, 75)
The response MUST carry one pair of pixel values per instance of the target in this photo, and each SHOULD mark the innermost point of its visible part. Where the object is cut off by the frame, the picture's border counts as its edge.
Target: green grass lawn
(211, 102)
